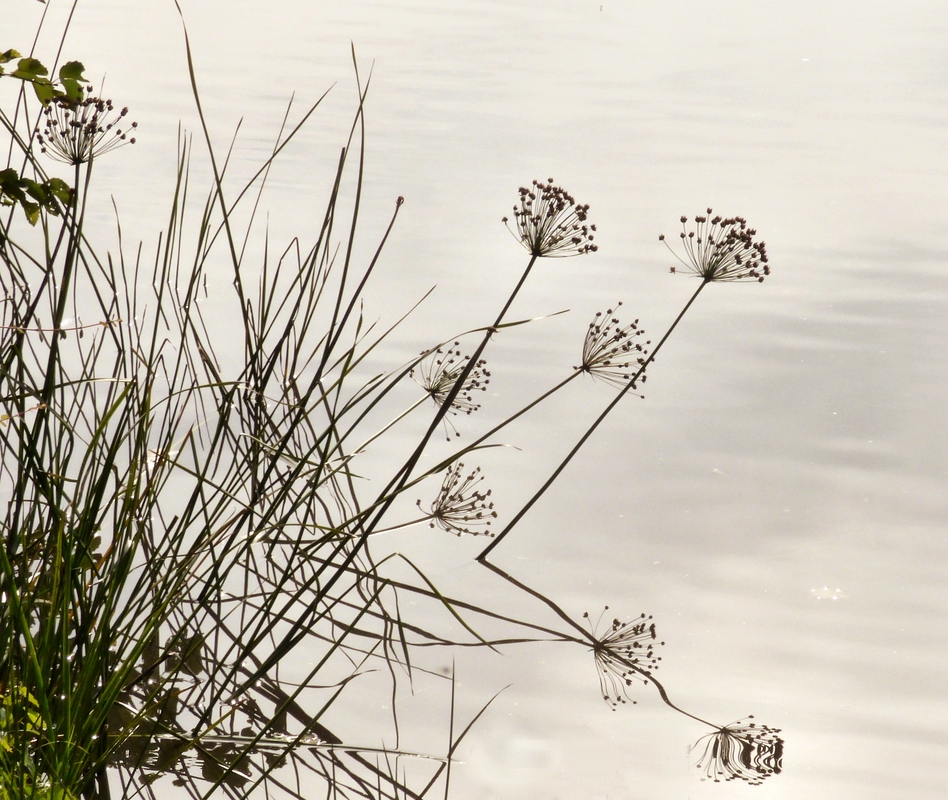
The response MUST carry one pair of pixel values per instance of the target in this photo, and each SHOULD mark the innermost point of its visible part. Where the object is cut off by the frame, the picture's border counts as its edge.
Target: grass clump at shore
(179, 529)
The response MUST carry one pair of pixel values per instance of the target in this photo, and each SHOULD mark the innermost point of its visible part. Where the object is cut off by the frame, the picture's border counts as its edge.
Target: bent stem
(588, 638)
(503, 424)
(589, 432)
(468, 368)
(401, 477)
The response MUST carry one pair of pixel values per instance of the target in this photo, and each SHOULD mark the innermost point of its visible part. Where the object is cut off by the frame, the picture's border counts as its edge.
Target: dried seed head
(624, 656)
(440, 371)
(75, 132)
(723, 249)
(611, 351)
(460, 508)
(550, 223)
(741, 751)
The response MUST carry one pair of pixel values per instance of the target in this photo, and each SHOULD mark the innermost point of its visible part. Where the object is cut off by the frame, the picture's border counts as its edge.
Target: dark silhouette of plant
(460, 507)
(75, 132)
(548, 222)
(741, 751)
(625, 654)
(190, 583)
(611, 352)
(723, 249)
(440, 371)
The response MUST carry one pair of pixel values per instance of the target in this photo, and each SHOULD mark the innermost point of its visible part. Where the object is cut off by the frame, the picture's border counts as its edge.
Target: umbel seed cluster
(723, 249)
(550, 223)
(75, 132)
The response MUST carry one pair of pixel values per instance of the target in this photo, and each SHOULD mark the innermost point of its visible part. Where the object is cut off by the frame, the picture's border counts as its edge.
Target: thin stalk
(451, 743)
(590, 639)
(75, 237)
(377, 434)
(405, 472)
(589, 432)
(448, 601)
(500, 425)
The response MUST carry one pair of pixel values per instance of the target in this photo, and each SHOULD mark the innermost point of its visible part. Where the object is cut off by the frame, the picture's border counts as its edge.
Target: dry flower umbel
(438, 374)
(460, 508)
(611, 351)
(741, 751)
(75, 132)
(625, 654)
(723, 249)
(550, 223)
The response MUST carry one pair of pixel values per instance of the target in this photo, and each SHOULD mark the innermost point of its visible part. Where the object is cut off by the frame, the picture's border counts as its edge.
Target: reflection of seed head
(440, 371)
(741, 751)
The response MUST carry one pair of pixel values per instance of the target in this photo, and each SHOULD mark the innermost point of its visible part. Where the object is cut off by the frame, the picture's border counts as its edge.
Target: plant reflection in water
(181, 532)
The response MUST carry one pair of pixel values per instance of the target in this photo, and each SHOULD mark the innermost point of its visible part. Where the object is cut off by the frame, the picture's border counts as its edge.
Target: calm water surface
(778, 500)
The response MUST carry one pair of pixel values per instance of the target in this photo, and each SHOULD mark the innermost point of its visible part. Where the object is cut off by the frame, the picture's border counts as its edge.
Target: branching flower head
(76, 131)
(742, 751)
(721, 249)
(439, 373)
(460, 506)
(550, 223)
(624, 656)
(611, 351)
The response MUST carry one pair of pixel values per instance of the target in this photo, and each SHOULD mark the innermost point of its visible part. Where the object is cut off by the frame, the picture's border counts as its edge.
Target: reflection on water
(235, 525)
(265, 731)
(792, 443)
(828, 594)
(742, 751)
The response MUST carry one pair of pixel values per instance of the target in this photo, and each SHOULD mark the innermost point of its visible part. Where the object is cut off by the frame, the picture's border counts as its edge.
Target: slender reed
(590, 430)
(191, 581)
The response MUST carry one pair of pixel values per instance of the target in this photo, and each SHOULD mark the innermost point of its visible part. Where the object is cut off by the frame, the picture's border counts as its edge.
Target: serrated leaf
(11, 186)
(35, 190)
(8, 176)
(9, 55)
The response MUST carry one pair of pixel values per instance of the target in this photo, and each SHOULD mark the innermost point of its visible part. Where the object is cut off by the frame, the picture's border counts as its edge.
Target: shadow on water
(190, 581)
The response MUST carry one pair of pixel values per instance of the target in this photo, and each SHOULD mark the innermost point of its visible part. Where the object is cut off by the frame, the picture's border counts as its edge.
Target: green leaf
(35, 190)
(45, 91)
(9, 55)
(72, 79)
(32, 211)
(11, 186)
(29, 69)
(72, 72)
(8, 177)
(60, 189)
(14, 189)
(73, 90)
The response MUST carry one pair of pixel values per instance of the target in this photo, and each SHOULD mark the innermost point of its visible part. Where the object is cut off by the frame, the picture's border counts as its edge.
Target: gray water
(778, 500)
